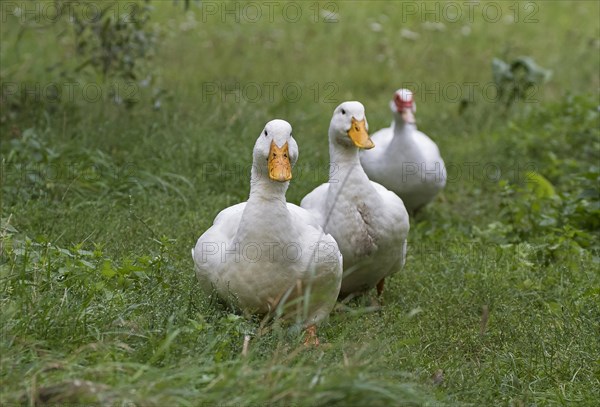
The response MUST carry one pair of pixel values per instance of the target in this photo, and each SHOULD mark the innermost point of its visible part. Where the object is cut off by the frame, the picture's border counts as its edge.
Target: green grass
(101, 205)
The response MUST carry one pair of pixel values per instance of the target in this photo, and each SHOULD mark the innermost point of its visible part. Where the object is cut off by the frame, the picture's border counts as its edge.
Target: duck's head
(403, 106)
(349, 126)
(276, 151)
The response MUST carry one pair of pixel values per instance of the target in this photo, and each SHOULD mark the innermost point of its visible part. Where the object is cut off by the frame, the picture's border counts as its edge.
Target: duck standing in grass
(265, 255)
(369, 223)
(404, 159)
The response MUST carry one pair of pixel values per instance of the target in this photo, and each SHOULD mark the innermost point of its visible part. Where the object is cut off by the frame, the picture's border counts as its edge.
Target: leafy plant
(515, 79)
(557, 205)
(114, 43)
(102, 51)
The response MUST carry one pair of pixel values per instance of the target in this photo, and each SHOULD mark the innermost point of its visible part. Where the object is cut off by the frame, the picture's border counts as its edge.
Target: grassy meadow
(105, 192)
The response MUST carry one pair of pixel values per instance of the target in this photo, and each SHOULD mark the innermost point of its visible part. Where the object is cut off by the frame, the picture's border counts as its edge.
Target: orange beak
(359, 135)
(280, 168)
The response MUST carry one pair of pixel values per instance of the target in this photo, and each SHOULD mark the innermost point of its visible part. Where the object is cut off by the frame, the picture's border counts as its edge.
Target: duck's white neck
(345, 168)
(342, 157)
(401, 128)
(265, 190)
(265, 217)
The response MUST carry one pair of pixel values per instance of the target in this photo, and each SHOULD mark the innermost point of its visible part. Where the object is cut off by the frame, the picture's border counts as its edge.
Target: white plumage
(369, 223)
(265, 254)
(404, 159)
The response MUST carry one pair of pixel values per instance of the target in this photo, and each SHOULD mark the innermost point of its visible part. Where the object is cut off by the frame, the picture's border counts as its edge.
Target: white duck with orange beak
(267, 256)
(404, 159)
(369, 223)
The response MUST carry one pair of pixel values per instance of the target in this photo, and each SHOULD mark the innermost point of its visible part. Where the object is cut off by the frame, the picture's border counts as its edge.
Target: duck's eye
(285, 155)
(266, 134)
(343, 111)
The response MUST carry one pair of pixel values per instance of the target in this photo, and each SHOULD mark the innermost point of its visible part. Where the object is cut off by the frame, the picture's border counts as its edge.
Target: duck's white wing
(381, 138)
(224, 226)
(372, 160)
(397, 216)
(228, 219)
(426, 145)
(324, 264)
(433, 158)
(309, 219)
(304, 216)
(207, 253)
(393, 201)
(315, 203)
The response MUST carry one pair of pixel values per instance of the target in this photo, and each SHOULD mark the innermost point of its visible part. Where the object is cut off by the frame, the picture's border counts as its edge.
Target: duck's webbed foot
(380, 285)
(311, 338)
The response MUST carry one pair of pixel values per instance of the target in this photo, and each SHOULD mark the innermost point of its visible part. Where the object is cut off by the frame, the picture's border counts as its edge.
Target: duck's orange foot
(380, 285)
(246, 345)
(311, 336)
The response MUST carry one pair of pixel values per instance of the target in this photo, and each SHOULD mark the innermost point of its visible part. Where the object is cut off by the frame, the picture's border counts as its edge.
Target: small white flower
(409, 35)
(376, 27)
(431, 26)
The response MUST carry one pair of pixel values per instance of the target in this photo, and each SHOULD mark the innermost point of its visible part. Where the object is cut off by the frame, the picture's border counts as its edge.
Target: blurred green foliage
(515, 80)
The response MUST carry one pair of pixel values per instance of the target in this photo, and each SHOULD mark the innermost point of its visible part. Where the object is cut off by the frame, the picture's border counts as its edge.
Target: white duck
(369, 223)
(265, 255)
(404, 159)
